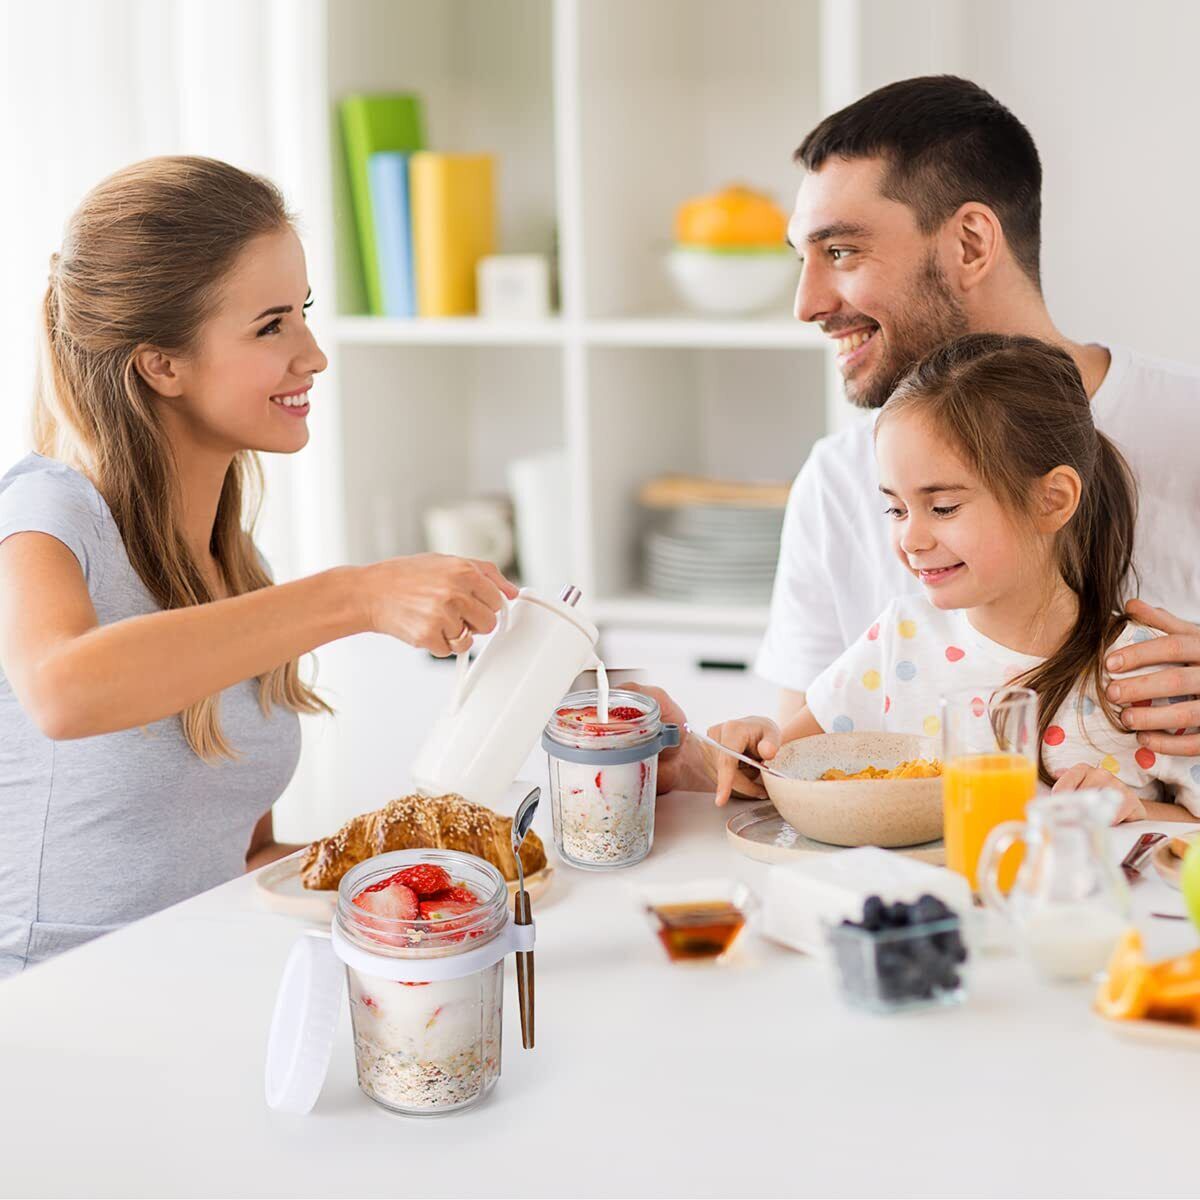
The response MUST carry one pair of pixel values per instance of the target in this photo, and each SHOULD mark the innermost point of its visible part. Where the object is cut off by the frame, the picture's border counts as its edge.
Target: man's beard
(933, 317)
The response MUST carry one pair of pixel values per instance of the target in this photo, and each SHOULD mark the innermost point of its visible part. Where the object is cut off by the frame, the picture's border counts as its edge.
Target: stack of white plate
(710, 554)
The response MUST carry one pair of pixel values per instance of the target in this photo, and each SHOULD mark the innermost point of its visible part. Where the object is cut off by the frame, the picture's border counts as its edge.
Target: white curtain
(87, 86)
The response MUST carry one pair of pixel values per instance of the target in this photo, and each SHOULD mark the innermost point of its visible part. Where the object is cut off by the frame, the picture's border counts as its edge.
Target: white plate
(697, 596)
(762, 834)
(727, 583)
(725, 565)
(725, 518)
(736, 582)
(682, 538)
(1167, 865)
(731, 551)
(713, 563)
(1165, 1033)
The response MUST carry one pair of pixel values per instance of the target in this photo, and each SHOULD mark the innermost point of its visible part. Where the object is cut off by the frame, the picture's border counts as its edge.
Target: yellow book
(453, 226)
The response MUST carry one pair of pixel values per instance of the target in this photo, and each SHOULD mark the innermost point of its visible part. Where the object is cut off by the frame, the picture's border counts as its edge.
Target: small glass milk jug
(1070, 902)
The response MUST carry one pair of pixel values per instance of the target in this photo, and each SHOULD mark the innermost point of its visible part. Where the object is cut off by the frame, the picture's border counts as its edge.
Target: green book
(371, 123)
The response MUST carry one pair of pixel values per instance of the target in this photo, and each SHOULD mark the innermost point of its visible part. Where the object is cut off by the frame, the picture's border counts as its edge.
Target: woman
(150, 681)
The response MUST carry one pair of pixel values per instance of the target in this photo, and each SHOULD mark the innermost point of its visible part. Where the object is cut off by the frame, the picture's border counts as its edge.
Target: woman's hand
(1082, 778)
(434, 601)
(1159, 729)
(757, 737)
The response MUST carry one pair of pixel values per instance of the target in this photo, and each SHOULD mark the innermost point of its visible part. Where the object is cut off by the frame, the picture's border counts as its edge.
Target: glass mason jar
(604, 777)
(425, 1046)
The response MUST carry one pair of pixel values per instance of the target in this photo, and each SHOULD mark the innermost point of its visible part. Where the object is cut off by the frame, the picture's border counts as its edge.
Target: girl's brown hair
(1015, 409)
(142, 264)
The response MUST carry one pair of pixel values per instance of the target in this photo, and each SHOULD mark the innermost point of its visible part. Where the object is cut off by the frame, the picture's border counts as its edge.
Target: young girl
(150, 687)
(1017, 517)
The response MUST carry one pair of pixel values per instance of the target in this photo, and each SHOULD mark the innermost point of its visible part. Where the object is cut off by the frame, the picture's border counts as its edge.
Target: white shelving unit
(604, 115)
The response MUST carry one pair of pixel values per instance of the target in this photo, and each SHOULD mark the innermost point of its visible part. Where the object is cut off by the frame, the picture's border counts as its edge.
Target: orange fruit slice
(1126, 992)
(1177, 982)
(1183, 970)
(1127, 1000)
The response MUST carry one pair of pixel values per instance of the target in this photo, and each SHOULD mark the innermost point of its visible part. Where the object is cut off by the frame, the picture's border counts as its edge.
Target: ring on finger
(462, 640)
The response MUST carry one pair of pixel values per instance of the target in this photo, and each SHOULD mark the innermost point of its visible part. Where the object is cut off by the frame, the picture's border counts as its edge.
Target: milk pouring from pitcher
(502, 700)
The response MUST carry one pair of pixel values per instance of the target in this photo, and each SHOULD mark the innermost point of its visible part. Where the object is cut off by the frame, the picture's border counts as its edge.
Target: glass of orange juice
(989, 772)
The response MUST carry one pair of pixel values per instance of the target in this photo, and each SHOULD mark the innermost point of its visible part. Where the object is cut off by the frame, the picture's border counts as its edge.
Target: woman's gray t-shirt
(100, 831)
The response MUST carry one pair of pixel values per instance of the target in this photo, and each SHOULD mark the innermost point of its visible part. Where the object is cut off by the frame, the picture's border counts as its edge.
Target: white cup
(472, 529)
(541, 487)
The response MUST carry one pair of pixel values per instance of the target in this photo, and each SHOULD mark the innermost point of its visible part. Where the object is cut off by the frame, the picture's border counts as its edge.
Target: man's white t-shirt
(838, 572)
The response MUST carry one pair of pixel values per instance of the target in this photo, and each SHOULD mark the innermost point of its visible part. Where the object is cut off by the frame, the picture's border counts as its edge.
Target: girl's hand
(757, 737)
(1082, 777)
(434, 601)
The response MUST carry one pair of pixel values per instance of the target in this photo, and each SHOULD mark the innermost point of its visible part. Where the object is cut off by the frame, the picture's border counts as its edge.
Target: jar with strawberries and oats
(428, 1042)
(419, 941)
(603, 777)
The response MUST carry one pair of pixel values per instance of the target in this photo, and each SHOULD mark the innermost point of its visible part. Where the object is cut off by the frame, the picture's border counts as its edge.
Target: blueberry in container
(900, 956)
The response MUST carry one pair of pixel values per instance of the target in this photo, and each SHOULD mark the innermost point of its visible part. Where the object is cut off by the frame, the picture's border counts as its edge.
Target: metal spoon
(522, 915)
(761, 766)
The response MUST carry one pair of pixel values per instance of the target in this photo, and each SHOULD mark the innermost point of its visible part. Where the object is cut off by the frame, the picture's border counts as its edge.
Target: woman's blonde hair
(142, 264)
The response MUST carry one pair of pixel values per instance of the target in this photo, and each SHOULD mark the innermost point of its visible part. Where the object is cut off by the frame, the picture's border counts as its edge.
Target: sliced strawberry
(443, 911)
(463, 895)
(392, 903)
(395, 902)
(439, 910)
(587, 717)
(624, 713)
(424, 878)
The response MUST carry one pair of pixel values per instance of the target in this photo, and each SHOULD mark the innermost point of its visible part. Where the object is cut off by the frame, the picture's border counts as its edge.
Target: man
(919, 219)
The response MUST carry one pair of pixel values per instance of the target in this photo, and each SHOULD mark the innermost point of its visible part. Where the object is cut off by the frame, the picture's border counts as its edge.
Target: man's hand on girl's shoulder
(1168, 728)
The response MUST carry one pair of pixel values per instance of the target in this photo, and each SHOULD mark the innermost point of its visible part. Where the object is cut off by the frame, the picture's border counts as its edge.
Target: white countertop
(134, 1066)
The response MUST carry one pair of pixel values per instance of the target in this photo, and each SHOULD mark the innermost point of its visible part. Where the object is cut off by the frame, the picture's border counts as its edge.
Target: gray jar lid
(666, 737)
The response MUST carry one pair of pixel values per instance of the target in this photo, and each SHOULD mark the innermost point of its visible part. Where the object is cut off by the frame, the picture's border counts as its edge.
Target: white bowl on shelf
(731, 282)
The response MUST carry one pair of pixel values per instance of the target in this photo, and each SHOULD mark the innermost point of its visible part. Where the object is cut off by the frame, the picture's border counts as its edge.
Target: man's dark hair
(946, 142)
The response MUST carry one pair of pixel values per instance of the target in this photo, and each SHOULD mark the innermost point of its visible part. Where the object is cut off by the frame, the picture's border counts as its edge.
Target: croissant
(418, 823)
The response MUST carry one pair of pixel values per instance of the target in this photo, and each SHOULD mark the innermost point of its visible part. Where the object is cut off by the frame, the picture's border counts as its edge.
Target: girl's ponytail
(1095, 556)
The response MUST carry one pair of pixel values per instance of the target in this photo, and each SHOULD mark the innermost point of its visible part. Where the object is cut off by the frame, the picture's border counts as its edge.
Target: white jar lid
(303, 1025)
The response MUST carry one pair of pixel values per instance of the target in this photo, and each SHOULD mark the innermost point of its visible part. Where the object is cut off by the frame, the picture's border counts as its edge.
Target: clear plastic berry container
(604, 777)
(425, 1046)
(919, 964)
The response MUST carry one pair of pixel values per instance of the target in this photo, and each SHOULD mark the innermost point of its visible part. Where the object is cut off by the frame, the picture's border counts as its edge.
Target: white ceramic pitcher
(503, 700)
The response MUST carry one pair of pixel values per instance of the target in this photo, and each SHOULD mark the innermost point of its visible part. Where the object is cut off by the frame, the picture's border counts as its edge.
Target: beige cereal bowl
(867, 812)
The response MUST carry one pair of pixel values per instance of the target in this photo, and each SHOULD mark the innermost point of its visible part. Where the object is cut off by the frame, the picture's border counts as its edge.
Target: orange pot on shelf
(735, 217)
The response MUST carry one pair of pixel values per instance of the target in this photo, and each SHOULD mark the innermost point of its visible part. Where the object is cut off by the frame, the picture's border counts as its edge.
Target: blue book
(387, 178)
